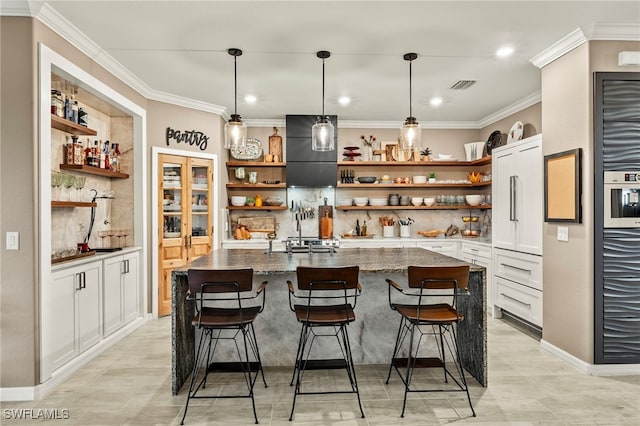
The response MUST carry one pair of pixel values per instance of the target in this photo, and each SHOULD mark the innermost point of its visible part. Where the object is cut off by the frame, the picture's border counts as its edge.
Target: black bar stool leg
(194, 374)
(295, 367)
(299, 365)
(464, 379)
(395, 350)
(351, 370)
(410, 363)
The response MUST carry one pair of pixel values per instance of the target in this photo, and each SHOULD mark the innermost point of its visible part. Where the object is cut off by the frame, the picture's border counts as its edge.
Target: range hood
(305, 167)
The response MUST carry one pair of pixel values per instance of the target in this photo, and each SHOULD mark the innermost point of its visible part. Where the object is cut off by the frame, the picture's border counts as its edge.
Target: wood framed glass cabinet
(185, 207)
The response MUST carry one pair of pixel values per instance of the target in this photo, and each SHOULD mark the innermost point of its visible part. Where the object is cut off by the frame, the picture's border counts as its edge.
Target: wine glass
(67, 182)
(78, 184)
(56, 181)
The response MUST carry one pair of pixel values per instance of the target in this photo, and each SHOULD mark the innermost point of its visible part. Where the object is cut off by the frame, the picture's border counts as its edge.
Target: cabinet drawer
(520, 300)
(449, 248)
(522, 268)
(475, 250)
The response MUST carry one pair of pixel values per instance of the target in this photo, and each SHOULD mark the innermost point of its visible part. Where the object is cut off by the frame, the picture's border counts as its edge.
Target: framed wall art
(563, 186)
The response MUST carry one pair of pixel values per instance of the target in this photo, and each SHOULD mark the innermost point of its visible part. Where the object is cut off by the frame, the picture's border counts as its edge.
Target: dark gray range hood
(305, 167)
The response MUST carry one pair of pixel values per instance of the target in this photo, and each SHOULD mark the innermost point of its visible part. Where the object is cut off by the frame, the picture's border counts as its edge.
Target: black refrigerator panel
(299, 149)
(299, 126)
(311, 174)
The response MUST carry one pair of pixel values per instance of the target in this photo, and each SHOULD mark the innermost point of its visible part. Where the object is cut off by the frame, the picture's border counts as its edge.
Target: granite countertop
(368, 259)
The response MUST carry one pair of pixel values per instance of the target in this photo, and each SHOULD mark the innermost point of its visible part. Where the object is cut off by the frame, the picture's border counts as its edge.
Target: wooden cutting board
(325, 213)
(275, 144)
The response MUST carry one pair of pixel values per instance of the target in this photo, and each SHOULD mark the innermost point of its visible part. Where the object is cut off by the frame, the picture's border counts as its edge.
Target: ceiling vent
(462, 84)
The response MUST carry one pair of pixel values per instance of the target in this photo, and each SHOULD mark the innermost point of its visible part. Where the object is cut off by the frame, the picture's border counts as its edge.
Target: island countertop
(374, 331)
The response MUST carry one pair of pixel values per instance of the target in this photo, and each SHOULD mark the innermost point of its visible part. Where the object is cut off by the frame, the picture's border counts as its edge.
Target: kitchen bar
(376, 324)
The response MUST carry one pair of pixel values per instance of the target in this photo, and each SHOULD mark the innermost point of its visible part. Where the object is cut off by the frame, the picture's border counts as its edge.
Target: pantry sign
(190, 137)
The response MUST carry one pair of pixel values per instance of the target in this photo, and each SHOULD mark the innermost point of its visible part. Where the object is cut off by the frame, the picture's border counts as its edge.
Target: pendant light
(411, 131)
(235, 131)
(322, 132)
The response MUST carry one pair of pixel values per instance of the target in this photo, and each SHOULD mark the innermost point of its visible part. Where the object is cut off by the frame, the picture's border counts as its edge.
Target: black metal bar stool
(223, 312)
(327, 298)
(429, 285)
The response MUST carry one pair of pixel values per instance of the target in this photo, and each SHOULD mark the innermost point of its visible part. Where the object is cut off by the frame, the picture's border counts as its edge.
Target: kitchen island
(374, 331)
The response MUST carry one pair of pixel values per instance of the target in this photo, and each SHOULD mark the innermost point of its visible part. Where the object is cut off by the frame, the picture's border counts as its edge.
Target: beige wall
(567, 90)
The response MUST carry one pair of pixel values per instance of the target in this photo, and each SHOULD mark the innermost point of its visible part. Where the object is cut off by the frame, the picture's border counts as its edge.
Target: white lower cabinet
(121, 304)
(480, 254)
(449, 248)
(72, 315)
(518, 282)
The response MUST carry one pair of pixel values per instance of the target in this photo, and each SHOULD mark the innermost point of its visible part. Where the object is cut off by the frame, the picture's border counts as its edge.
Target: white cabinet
(72, 316)
(480, 254)
(449, 248)
(121, 291)
(517, 214)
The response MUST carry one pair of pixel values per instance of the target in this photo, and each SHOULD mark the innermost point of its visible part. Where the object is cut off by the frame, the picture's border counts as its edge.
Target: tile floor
(130, 384)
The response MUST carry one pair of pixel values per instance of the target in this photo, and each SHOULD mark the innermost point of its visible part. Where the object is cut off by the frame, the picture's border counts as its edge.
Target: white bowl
(473, 200)
(345, 202)
(360, 201)
(416, 201)
(419, 179)
(378, 201)
(429, 201)
(444, 156)
(238, 200)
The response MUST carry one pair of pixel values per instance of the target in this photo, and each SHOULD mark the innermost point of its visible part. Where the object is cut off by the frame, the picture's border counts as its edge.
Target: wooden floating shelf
(71, 127)
(433, 163)
(254, 164)
(72, 204)
(90, 170)
(257, 208)
(412, 185)
(256, 185)
(412, 207)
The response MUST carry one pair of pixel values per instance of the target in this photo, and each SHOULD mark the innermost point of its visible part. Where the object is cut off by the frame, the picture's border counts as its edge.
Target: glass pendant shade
(410, 134)
(322, 135)
(235, 133)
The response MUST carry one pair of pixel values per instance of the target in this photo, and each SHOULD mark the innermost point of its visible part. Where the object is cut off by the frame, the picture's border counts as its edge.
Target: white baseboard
(32, 393)
(591, 369)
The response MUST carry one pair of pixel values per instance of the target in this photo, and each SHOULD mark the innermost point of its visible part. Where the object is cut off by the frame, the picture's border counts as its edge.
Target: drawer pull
(516, 268)
(506, 296)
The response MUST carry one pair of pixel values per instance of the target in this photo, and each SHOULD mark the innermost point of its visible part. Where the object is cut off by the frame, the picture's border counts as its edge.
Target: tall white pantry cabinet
(517, 228)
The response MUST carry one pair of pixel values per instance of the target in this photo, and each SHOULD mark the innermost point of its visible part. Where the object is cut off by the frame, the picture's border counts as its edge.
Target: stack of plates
(378, 201)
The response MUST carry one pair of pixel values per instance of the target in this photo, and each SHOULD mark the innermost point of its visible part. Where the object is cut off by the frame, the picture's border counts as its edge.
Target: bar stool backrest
(219, 280)
(439, 277)
(310, 278)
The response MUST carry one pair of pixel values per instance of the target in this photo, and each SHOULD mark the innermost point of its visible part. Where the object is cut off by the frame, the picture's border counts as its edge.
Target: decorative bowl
(429, 201)
(273, 201)
(473, 200)
(367, 179)
(237, 200)
(360, 201)
(416, 201)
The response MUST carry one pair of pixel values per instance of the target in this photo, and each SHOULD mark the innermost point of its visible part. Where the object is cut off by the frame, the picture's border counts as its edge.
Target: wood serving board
(357, 236)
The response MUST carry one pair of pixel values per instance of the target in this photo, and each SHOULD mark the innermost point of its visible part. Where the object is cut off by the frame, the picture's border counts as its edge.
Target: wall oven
(622, 199)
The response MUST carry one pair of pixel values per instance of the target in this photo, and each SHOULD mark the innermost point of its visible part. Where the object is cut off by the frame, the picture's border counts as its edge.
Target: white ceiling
(180, 48)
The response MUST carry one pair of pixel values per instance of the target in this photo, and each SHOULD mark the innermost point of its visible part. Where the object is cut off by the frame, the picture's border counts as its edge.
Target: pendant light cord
(235, 85)
(410, 91)
(323, 88)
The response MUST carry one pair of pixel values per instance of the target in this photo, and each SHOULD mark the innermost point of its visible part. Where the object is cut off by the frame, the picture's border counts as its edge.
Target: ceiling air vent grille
(462, 84)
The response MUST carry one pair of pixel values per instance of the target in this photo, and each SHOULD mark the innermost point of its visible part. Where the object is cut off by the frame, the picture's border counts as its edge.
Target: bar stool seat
(429, 285)
(225, 312)
(322, 317)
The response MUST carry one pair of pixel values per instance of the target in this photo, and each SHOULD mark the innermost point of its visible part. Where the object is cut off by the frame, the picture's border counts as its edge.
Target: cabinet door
(173, 206)
(59, 321)
(130, 287)
(112, 295)
(503, 172)
(199, 225)
(88, 306)
(529, 199)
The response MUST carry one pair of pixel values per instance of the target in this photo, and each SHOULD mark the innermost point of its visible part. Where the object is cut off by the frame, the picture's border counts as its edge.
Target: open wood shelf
(257, 185)
(71, 127)
(412, 185)
(90, 170)
(485, 207)
(283, 207)
(433, 163)
(72, 204)
(254, 164)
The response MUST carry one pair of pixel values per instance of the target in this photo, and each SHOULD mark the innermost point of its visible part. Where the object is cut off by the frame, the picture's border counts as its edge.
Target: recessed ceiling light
(250, 99)
(503, 52)
(344, 100)
(436, 101)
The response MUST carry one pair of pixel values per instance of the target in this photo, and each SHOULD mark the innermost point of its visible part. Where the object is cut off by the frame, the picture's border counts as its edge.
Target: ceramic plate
(494, 141)
(515, 134)
(251, 151)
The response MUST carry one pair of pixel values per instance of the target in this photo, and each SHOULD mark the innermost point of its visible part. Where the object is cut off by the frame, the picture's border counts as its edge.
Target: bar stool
(222, 313)
(427, 283)
(327, 299)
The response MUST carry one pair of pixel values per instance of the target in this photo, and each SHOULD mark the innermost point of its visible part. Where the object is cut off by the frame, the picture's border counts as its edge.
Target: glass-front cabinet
(185, 215)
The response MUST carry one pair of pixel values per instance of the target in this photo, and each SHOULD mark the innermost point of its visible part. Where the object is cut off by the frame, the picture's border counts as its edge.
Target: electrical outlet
(13, 240)
(563, 233)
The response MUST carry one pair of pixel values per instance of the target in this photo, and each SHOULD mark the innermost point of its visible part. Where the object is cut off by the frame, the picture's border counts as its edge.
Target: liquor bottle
(74, 111)
(358, 227)
(113, 159)
(107, 163)
(101, 155)
(67, 108)
(83, 117)
(118, 157)
(87, 153)
(94, 160)
(363, 231)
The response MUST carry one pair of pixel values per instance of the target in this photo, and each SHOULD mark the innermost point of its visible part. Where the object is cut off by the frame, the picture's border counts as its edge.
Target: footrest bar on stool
(418, 362)
(233, 367)
(322, 364)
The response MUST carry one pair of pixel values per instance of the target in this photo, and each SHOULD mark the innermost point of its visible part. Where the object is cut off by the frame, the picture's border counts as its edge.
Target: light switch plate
(13, 240)
(563, 233)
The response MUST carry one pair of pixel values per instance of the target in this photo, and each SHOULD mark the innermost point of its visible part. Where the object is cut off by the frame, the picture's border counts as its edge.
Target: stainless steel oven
(622, 199)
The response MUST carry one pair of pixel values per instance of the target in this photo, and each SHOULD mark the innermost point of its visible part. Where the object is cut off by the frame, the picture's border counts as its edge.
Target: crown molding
(619, 32)
(515, 107)
(559, 48)
(169, 98)
(265, 122)
(19, 8)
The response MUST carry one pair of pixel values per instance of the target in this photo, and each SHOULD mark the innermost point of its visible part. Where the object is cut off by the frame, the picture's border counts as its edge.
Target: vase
(367, 153)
